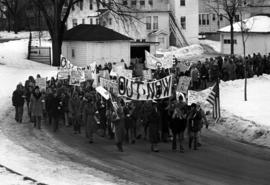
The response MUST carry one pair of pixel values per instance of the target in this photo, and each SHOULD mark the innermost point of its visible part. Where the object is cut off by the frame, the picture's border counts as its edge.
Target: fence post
(50, 56)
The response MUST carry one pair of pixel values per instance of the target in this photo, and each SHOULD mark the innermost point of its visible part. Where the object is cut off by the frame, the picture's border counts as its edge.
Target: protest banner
(147, 74)
(153, 62)
(183, 84)
(63, 74)
(109, 85)
(126, 73)
(41, 83)
(138, 90)
(76, 77)
(103, 92)
(104, 74)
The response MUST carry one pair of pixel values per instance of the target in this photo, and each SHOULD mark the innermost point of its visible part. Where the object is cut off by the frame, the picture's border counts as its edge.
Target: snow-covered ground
(248, 121)
(215, 45)
(14, 68)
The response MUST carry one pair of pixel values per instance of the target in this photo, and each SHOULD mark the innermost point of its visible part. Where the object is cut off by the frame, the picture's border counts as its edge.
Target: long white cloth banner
(138, 90)
(153, 62)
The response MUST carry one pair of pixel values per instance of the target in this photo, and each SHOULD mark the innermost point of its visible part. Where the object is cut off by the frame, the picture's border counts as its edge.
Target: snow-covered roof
(256, 24)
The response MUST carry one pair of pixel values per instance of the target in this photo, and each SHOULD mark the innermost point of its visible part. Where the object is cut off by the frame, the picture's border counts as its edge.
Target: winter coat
(36, 104)
(18, 98)
(194, 121)
(154, 125)
(48, 100)
(74, 107)
(56, 107)
(179, 118)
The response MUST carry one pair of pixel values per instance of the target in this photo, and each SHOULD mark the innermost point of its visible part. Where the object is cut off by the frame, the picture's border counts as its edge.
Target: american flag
(214, 99)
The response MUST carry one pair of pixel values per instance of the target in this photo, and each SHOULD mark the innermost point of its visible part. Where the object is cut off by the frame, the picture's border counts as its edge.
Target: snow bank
(215, 45)
(184, 53)
(246, 121)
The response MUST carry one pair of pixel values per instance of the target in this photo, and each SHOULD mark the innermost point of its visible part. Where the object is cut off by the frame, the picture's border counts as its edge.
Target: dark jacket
(18, 98)
(194, 121)
(56, 106)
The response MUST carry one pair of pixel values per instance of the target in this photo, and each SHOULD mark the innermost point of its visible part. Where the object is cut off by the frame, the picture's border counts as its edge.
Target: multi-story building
(186, 15)
(212, 16)
(84, 12)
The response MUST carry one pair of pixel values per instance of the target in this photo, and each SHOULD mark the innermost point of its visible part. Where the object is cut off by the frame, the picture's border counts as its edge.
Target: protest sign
(93, 73)
(88, 74)
(109, 85)
(153, 62)
(104, 74)
(41, 83)
(126, 73)
(63, 74)
(76, 77)
(138, 90)
(103, 92)
(147, 74)
(183, 84)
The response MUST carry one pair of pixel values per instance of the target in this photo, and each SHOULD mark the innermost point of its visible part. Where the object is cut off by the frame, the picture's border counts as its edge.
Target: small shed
(85, 44)
(256, 33)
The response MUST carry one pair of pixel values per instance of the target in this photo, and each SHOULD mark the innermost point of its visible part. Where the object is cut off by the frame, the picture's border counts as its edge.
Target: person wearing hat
(18, 102)
(36, 106)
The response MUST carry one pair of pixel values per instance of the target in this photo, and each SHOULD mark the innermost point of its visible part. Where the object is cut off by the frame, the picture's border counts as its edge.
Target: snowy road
(219, 161)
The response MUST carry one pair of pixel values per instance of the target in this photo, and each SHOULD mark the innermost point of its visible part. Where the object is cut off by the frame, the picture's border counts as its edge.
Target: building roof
(256, 24)
(84, 32)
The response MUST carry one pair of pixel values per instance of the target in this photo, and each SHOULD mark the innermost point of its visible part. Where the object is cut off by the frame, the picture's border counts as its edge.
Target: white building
(85, 44)
(257, 36)
(186, 13)
(84, 12)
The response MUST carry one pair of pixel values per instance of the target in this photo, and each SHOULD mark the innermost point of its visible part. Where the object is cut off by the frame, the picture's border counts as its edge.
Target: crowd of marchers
(125, 121)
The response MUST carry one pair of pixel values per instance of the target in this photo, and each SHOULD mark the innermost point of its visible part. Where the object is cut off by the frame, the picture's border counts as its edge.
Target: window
(74, 22)
(81, 5)
(200, 19)
(133, 3)
(110, 21)
(161, 41)
(91, 21)
(182, 2)
(91, 4)
(155, 22)
(221, 17)
(183, 22)
(214, 17)
(148, 22)
(142, 2)
(203, 19)
(125, 2)
(83, 21)
(73, 53)
(237, 18)
(207, 19)
(228, 41)
(150, 2)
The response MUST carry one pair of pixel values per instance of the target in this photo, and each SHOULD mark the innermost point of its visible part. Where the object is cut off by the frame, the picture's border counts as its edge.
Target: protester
(36, 107)
(154, 126)
(178, 124)
(18, 102)
(75, 104)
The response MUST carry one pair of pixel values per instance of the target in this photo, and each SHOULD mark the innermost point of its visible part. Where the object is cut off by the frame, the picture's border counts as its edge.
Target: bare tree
(13, 9)
(56, 13)
(230, 9)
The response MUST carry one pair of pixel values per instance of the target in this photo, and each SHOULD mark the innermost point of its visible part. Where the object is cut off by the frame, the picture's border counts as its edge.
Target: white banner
(138, 90)
(153, 62)
(94, 73)
(63, 74)
(76, 77)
